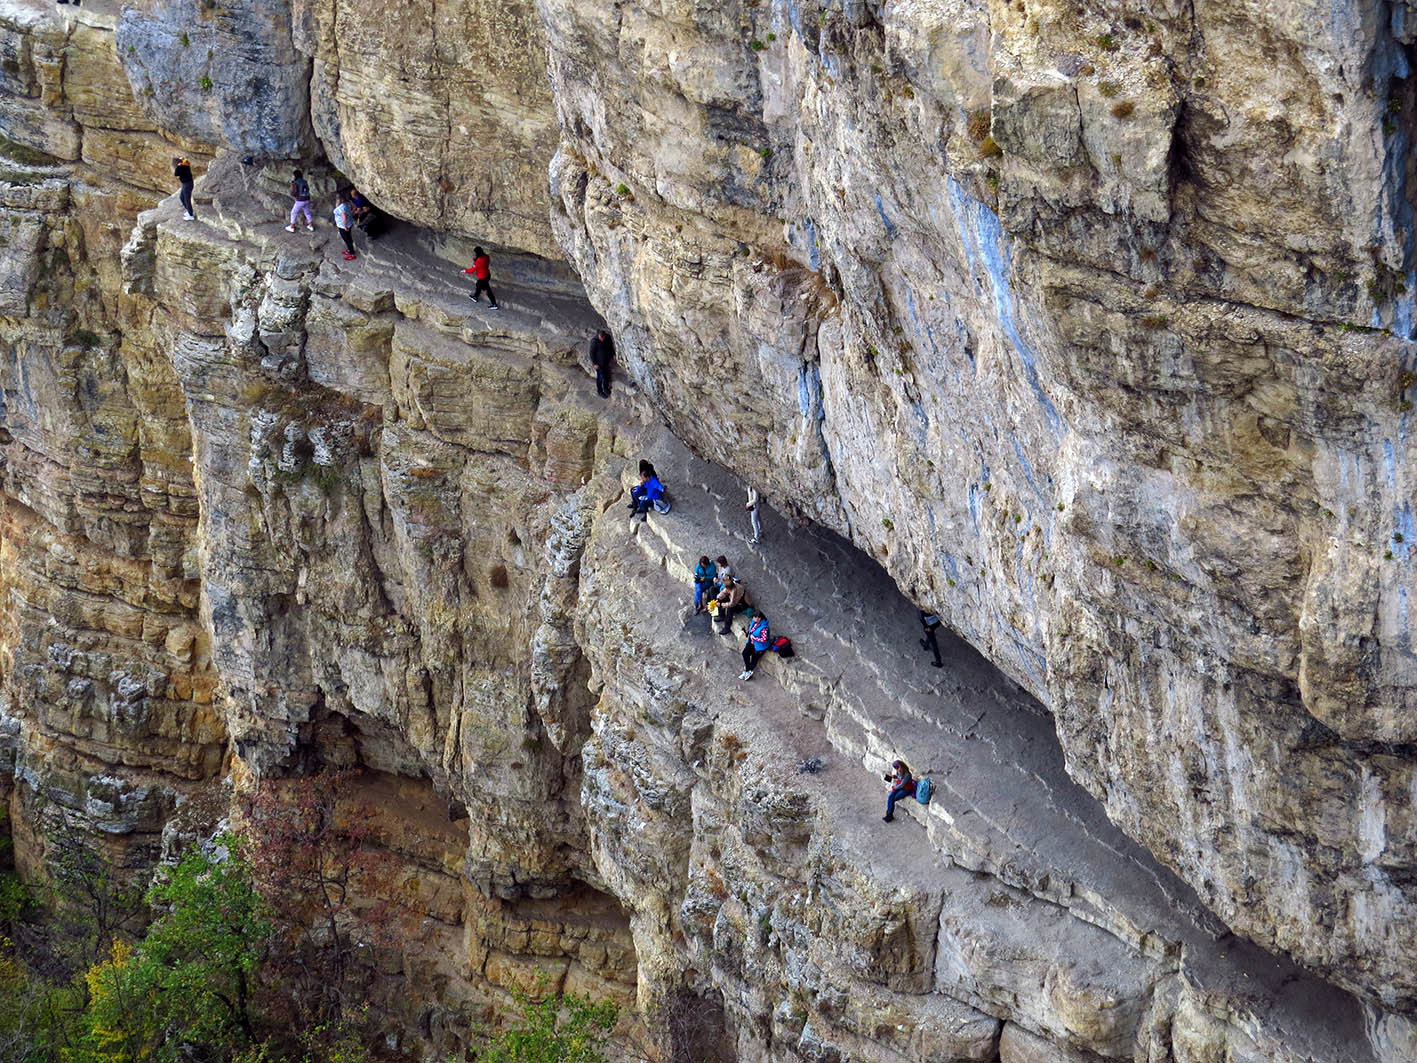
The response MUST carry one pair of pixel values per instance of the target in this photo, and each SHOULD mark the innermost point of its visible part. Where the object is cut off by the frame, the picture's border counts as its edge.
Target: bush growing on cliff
(558, 1029)
(189, 982)
(316, 859)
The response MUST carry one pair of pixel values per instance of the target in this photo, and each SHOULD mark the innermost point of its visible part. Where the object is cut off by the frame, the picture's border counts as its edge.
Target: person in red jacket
(481, 268)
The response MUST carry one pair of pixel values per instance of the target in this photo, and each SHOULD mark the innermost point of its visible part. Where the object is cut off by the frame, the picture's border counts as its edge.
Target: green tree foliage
(558, 1029)
(189, 981)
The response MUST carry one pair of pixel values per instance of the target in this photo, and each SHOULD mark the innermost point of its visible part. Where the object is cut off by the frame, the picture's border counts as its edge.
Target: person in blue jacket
(644, 494)
(759, 639)
(705, 576)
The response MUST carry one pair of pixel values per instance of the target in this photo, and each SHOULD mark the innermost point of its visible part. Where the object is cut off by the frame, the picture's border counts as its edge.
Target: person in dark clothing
(481, 269)
(602, 352)
(182, 170)
(930, 622)
(300, 203)
(365, 216)
(759, 639)
(902, 785)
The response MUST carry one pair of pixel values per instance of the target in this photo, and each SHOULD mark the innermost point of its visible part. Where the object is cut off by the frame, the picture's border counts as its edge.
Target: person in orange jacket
(481, 268)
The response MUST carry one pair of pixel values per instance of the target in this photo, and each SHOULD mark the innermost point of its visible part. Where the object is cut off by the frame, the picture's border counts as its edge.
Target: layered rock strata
(1020, 301)
(1093, 327)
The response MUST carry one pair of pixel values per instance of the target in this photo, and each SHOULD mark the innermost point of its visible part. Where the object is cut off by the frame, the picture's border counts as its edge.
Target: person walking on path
(930, 622)
(902, 785)
(182, 170)
(752, 508)
(344, 222)
(300, 202)
(481, 269)
(705, 573)
(759, 639)
(602, 353)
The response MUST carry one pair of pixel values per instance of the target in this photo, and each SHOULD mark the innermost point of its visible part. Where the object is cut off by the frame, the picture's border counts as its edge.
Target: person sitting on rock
(732, 598)
(902, 785)
(759, 639)
(645, 494)
(648, 492)
(705, 575)
(724, 571)
(365, 216)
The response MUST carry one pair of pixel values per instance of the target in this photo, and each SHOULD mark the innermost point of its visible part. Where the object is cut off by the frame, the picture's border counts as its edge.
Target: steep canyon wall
(1090, 324)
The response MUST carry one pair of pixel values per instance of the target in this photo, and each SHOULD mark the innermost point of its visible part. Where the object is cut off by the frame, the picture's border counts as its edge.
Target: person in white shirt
(752, 508)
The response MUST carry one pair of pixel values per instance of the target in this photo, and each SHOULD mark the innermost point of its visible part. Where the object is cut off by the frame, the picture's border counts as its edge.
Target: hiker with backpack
(705, 575)
(344, 222)
(481, 270)
(930, 622)
(759, 639)
(902, 784)
(182, 170)
(300, 202)
(602, 353)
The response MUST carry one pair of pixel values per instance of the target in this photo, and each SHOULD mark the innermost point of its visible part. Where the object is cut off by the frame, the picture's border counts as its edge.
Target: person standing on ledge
(931, 622)
(182, 170)
(344, 222)
(602, 352)
(752, 508)
(481, 269)
(300, 203)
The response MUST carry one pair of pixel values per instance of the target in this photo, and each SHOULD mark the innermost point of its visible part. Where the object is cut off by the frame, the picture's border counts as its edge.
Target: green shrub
(559, 1029)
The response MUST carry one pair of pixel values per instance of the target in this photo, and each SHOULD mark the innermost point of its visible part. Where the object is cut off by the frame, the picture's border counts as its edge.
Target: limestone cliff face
(1092, 330)
(1092, 327)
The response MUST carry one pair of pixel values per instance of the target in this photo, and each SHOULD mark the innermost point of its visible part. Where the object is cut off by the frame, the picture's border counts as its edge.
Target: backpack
(782, 646)
(661, 505)
(300, 188)
(923, 789)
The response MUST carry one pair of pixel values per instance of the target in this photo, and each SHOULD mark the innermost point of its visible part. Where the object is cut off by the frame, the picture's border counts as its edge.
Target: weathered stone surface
(440, 112)
(229, 76)
(1065, 333)
(1093, 329)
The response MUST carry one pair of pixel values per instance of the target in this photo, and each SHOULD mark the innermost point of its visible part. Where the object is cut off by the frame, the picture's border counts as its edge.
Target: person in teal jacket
(759, 638)
(705, 576)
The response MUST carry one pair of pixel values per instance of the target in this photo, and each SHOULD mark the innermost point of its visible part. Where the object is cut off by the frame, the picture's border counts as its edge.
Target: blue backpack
(923, 789)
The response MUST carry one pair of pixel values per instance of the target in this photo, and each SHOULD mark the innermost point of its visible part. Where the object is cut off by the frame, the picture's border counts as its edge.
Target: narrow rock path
(861, 690)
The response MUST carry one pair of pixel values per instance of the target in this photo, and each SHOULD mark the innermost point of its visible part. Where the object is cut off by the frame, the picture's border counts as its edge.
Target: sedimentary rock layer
(1093, 328)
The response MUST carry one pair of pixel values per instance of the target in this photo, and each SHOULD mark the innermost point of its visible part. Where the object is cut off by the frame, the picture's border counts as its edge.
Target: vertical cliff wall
(1091, 326)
